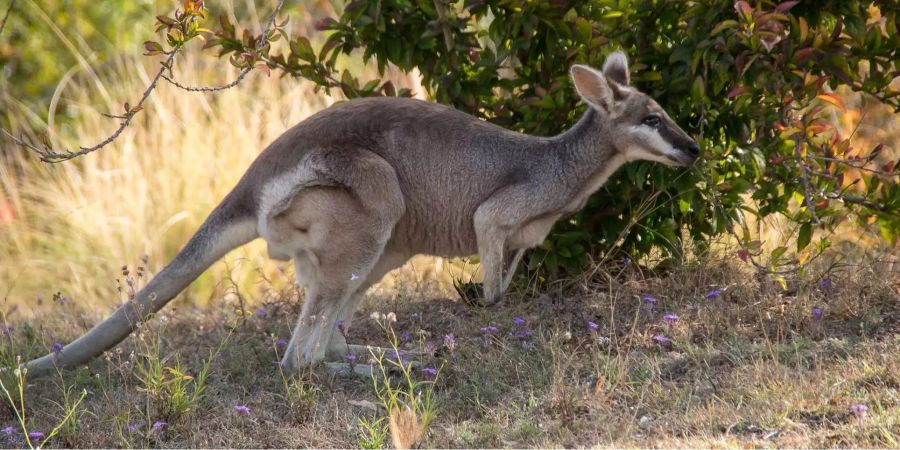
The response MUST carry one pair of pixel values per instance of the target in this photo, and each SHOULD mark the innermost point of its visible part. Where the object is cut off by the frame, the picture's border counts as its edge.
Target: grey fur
(355, 190)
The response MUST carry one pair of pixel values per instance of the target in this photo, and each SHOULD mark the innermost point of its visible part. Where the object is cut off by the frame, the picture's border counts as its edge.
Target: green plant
(373, 433)
(410, 403)
(300, 394)
(71, 409)
(170, 388)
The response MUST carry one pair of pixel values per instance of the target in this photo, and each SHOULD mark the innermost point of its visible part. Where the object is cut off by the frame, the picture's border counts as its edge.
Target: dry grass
(753, 367)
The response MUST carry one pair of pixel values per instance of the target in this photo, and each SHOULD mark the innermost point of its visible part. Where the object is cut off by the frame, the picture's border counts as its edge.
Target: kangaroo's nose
(694, 149)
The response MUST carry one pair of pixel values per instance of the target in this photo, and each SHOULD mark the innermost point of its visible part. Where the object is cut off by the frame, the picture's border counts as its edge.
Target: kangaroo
(355, 190)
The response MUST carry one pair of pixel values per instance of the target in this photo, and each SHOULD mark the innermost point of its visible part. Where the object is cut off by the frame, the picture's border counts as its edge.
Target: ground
(579, 364)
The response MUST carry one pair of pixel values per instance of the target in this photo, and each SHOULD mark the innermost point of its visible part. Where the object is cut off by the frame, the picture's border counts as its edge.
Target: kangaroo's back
(447, 162)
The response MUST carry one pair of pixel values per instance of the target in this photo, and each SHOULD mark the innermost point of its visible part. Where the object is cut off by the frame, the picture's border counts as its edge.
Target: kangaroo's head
(638, 127)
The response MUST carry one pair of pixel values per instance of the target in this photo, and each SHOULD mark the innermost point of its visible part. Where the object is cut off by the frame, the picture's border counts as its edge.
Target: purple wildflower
(242, 409)
(349, 357)
(354, 277)
(430, 347)
(36, 435)
(518, 321)
(405, 336)
(592, 325)
(160, 426)
(57, 347)
(670, 318)
(430, 372)
(817, 312)
(649, 300)
(859, 410)
(524, 334)
(281, 342)
(7, 328)
(663, 341)
(826, 284)
(450, 342)
(8, 430)
(625, 260)
(341, 326)
(489, 329)
(715, 293)
(260, 311)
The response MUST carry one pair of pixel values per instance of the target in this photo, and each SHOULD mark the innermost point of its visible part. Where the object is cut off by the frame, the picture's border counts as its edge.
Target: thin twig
(6, 15)
(223, 87)
(862, 201)
(53, 156)
(804, 175)
(263, 41)
(50, 156)
(849, 163)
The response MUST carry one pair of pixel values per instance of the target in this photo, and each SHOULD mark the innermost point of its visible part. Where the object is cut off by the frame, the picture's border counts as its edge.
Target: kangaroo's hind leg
(344, 231)
(344, 248)
(338, 347)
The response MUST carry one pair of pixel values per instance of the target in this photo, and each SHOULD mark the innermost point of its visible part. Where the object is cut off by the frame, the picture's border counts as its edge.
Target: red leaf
(802, 56)
(833, 99)
(743, 7)
(736, 91)
(875, 151)
(325, 24)
(743, 254)
(889, 167)
(786, 6)
(838, 27)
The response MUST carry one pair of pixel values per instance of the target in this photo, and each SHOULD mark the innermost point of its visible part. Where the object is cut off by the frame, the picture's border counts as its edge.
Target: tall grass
(70, 227)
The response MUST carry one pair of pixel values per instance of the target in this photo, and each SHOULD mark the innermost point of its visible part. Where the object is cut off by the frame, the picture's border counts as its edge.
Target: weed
(373, 433)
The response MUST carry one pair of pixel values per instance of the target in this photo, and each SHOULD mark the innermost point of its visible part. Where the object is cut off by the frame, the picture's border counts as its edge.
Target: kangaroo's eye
(651, 121)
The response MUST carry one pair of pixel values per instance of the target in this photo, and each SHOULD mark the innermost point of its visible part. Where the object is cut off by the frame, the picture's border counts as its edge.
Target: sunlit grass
(76, 224)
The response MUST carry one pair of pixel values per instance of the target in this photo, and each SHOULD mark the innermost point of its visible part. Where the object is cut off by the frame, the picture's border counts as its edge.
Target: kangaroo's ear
(616, 68)
(592, 86)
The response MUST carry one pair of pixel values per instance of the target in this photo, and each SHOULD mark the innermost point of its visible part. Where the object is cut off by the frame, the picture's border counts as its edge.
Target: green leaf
(302, 49)
(724, 25)
(805, 236)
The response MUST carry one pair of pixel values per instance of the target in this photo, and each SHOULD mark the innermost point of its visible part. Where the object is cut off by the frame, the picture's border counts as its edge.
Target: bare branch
(223, 87)
(49, 155)
(263, 41)
(807, 189)
(850, 163)
(862, 201)
(6, 15)
(53, 156)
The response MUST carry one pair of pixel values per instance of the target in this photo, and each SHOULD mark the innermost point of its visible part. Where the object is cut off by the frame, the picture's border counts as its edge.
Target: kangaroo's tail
(228, 227)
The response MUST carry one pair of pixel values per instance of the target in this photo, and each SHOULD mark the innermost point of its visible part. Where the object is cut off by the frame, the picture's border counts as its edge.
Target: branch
(53, 156)
(6, 15)
(223, 87)
(862, 201)
(49, 155)
(849, 163)
(263, 41)
(807, 195)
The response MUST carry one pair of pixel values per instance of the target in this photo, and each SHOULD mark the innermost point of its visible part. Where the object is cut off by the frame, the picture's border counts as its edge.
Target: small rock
(645, 422)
